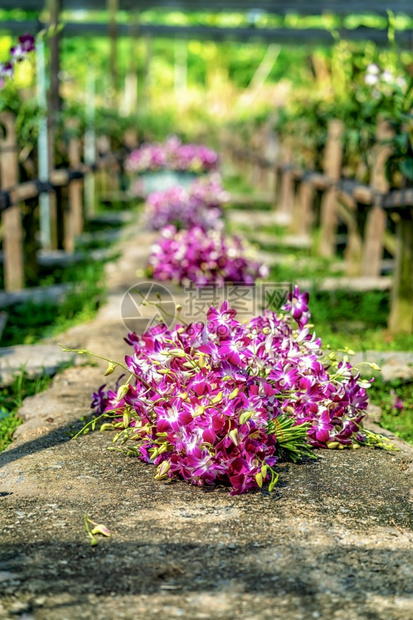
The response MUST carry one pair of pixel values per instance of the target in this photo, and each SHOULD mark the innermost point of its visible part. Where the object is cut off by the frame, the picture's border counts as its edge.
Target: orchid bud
(374, 366)
(201, 360)
(332, 445)
(177, 352)
(355, 445)
(178, 308)
(266, 331)
(106, 426)
(233, 394)
(234, 436)
(126, 418)
(264, 469)
(244, 417)
(101, 529)
(162, 371)
(259, 480)
(122, 391)
(198, 411)
(162, 471)
(111, 367)
(217, 399)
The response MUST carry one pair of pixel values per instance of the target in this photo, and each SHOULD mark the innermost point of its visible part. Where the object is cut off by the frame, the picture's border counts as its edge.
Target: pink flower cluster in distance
(172, 155)
(199, 205)
(208, 402)
(17, 54)
(202, 257)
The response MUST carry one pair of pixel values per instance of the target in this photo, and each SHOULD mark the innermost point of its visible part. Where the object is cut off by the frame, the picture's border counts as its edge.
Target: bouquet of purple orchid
(18, 53)
(224, 401)
(203, 258)
(172, 155)
(199, 205)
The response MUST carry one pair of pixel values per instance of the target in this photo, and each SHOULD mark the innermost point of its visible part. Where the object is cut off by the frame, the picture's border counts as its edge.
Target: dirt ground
(334, 539)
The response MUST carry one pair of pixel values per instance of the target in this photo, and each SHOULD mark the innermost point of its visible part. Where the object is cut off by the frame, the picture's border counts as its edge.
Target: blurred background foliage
(194, 87)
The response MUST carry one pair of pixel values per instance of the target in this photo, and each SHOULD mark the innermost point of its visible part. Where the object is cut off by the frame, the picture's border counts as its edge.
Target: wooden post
(376, 217)
(303, 209)
(11, 218)
(332, 168)
(401, 313)
(347, 209)
(286, 203)
(269, 155)
(76, 186)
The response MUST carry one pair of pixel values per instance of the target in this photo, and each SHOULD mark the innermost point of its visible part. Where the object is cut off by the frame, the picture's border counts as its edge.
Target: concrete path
(334, 540)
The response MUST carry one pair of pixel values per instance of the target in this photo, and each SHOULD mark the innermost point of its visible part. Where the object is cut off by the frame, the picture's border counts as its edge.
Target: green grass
(11, 398)
(28, 323)
(399, 422)
(237, 183)
(313, 269)
(357, 320)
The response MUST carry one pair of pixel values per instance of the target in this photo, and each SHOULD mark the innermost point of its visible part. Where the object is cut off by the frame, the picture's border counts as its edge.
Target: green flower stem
(93, 540)
(106, 359)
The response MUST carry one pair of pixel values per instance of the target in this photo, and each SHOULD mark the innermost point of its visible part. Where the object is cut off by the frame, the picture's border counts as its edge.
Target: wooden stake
(303, 215)
(401, 314)
(11, 218)
(332, 168)
(286, 204)
(353, 251)
(376, 218)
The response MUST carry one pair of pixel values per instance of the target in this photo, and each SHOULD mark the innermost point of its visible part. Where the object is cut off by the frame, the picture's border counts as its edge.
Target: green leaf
(406, 167)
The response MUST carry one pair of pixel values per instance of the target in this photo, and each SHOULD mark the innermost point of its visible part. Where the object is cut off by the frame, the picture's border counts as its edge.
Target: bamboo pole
(76, 186)
(90, 143)
(48, 219)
